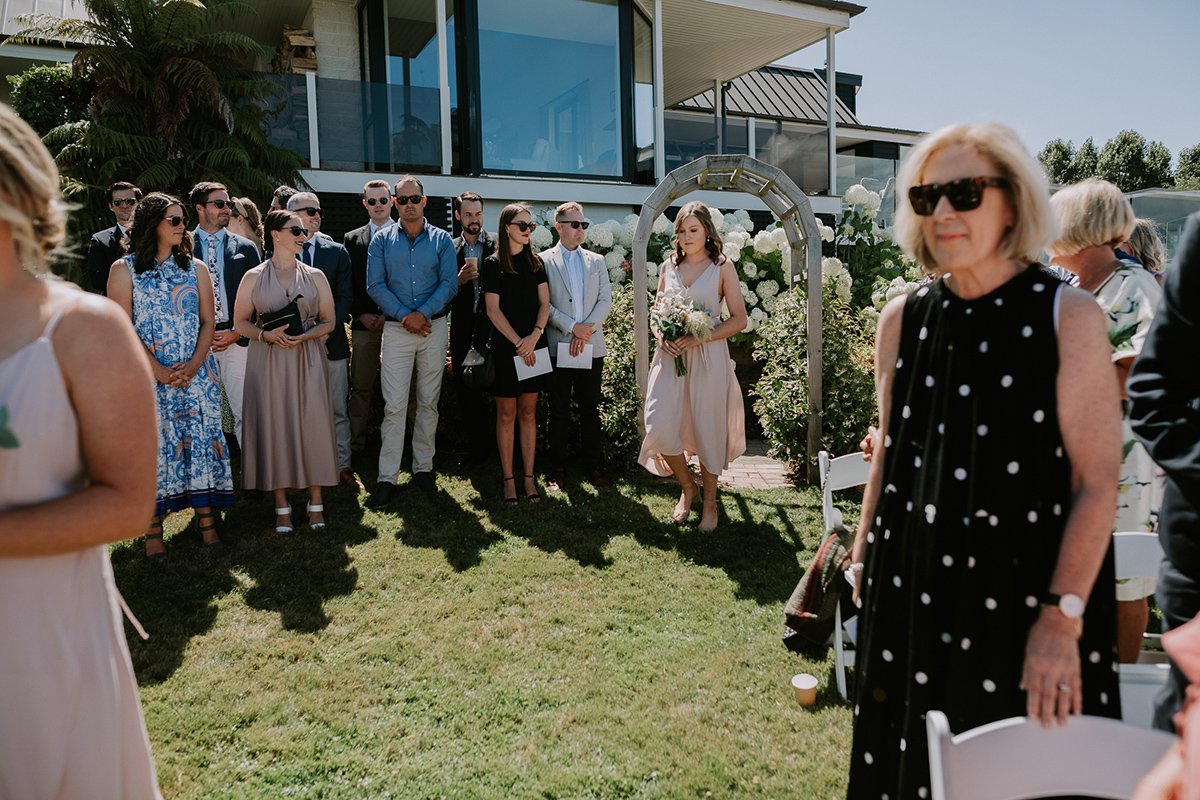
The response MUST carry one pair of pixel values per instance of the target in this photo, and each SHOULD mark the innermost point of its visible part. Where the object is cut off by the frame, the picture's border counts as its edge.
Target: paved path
(756, 470)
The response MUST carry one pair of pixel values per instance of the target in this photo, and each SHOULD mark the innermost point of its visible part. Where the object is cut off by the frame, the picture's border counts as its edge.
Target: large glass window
(799, 150)
(549, 86)
(643, 96)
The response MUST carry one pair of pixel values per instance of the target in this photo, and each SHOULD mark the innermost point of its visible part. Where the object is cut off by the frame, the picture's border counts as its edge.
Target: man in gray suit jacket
(322, 252)
(580, 299)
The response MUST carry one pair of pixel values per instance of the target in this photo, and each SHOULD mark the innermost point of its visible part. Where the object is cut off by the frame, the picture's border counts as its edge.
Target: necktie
(306, 256)
(210, 249)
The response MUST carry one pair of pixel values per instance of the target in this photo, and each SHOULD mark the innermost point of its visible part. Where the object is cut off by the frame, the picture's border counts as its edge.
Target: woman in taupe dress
(287, 415)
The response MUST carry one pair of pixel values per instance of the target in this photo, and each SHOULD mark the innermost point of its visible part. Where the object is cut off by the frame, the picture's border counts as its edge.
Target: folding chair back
(1138, 555)
(843, 472)
(1016, 758)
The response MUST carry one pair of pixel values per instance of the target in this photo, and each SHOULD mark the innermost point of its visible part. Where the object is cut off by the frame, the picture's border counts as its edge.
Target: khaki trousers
(402, 353)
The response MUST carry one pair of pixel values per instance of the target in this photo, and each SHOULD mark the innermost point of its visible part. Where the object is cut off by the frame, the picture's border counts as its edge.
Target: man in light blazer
(228, 257)
(580, 299)
(322, 252)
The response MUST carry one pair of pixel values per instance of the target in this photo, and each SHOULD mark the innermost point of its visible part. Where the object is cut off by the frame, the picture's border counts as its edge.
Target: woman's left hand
(1051, 676)
(182, 374)
(677, 347)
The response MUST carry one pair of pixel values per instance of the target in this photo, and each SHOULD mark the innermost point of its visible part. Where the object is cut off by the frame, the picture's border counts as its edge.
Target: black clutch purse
(288, 316)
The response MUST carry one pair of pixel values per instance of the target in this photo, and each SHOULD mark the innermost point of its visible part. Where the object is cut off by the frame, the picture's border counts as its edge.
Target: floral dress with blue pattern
(193, 462)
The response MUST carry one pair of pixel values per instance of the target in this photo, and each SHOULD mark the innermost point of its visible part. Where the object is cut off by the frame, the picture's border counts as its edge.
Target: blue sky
(1047, 68)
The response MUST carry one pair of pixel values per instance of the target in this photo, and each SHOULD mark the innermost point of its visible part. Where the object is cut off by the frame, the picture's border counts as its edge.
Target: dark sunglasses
(297, 230)
(964, 194)
(378, 201)
(310, 210)
(574, 223)
(524, 226)
(174, 221)
(405, 199)
(217, 203)
(129, 202)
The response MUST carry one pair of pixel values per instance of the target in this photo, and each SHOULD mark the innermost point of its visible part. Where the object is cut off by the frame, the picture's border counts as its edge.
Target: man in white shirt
(580, 299)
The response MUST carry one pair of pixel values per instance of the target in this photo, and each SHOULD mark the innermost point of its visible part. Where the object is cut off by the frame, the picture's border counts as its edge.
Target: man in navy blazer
(228, 257)
(322, 252)
(1164, 394)
(580, 299)
(108, 245)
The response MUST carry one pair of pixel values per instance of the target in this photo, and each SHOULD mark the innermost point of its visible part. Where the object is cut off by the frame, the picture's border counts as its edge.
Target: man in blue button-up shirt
(412, 275)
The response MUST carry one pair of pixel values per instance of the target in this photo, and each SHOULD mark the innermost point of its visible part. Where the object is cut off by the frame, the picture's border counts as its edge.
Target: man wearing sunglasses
(580, 299)
(366, 327)
(107, 246)
(228, 258)
(413, 275)
(470, 248)
(322, 252)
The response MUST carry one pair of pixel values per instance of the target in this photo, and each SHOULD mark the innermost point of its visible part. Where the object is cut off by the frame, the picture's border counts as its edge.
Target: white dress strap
(48, 331)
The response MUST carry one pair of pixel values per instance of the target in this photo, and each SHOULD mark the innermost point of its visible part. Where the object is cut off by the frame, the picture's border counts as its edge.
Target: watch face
(1071, 605)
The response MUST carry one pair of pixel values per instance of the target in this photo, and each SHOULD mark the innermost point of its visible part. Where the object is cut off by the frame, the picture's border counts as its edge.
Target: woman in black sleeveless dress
(992, 499)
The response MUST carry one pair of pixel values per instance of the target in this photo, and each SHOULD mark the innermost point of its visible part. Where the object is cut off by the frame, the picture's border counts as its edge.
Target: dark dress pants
(585, 385)
(1178, 596)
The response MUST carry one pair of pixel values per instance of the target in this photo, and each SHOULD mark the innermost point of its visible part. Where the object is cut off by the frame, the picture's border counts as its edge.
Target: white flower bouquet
(675, 315)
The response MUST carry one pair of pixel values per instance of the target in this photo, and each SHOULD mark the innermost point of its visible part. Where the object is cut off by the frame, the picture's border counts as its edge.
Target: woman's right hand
(525, 349)
(281, 339)
(164, 374)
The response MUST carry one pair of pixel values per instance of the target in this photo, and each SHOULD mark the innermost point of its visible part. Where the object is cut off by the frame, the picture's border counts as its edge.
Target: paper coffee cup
(804, 686)
(471, 261)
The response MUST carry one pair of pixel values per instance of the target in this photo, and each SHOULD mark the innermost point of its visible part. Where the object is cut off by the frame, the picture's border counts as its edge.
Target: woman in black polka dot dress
(989, 507)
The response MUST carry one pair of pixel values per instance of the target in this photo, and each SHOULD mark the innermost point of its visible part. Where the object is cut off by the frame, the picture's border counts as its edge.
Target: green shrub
(848, 372)
(620, 403)
(49, 95)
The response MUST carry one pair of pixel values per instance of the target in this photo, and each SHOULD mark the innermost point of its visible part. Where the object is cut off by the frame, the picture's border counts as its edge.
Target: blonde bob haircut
(1028, 192)
(1091, 213)
(29, 197)
(1145, 244)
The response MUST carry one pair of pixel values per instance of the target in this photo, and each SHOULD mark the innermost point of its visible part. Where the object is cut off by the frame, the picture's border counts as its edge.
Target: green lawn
(462, 648)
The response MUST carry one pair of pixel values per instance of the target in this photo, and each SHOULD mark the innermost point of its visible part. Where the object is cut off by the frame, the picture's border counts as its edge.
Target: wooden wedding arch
(789, 205)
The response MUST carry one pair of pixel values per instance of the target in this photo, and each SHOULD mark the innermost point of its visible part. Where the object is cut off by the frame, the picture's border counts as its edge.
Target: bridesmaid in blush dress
(699, 413)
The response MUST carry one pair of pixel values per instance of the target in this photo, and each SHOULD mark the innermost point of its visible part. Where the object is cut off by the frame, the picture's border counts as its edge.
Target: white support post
(314, 144)
(831, 91)
(444, 86)
(719, 114)
(660, 137)
(751, 139)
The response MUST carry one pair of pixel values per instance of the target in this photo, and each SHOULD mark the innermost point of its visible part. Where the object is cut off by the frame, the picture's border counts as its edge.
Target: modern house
(548, 100)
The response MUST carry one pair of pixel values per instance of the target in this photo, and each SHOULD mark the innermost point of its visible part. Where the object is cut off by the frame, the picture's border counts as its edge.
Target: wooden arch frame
(789, 205)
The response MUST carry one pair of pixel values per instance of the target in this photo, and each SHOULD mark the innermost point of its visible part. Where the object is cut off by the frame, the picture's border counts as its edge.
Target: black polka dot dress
(967, 533)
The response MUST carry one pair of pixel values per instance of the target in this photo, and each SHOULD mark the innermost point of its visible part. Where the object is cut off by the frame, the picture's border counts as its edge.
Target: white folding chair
(843, 472)
(1138, 555)
(1016, 758)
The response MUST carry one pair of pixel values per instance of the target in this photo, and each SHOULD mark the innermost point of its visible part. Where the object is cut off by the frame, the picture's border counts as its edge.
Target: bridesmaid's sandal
(286, 513)
(532, 495)
(708, 524)
(207, 525)
(155, 534)
(316, 509)
(684, 510)
(513, 499)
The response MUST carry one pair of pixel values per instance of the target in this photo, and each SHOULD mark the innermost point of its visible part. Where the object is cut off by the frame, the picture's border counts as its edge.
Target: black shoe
(424, 481)
(382, 495)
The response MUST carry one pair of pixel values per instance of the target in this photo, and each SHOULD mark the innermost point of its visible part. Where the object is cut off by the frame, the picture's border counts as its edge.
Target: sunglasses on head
(310, 210)
(378, 201)
(405, 199)
(964, 194)
(524, 226)
(574, 223)
(297, 230)
(174, 220)
(217, 203)
(128, 202)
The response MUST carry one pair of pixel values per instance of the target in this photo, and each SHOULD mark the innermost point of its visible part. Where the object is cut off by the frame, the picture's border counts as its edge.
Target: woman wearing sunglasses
(287, 417)
(988, 511)
(168, 294)
(516, 295)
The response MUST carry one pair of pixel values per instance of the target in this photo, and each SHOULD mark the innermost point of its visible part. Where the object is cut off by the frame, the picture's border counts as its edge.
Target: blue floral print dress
(193, 462)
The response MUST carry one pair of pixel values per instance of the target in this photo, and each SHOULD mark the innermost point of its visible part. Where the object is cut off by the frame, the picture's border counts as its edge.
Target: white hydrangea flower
(600, 236)
(718, 219)
(767, 288)
(652, 270)
(830, 267)
(870, 318)
(662, 224)
(629, 230)
(826, 232)
(750, 297)
(873, 202)
(856, 195)
(749, 269)
(843, 286)
(781, 241)
(745, 287)
(744, 220)
(613, 259)
(764, 243)
(758, 314)
(616, 275)
(732, 251)
(620, 250)
(751, 324)
(541, 238)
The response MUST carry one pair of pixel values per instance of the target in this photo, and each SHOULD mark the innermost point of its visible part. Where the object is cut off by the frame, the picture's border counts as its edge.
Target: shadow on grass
(441, 522)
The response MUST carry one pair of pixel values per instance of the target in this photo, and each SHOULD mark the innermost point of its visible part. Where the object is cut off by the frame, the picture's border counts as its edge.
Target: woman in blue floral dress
(169, 296)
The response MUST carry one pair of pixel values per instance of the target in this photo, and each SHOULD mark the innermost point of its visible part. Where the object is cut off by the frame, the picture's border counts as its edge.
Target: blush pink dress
(699, 413)
(70, 722)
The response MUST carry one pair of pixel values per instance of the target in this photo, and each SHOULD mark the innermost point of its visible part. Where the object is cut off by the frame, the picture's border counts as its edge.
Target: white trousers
(402, 352)
(231, 364)
(339, 384)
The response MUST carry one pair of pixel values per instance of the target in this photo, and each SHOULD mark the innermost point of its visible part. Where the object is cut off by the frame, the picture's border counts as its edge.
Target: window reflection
(550, 90)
